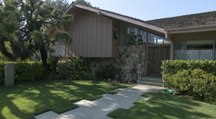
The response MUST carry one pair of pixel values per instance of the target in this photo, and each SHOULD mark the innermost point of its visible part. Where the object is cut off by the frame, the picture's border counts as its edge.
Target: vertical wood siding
(91, 35)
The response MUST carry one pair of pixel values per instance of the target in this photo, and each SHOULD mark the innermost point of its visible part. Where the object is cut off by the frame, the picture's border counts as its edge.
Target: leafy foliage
(107, 72)
(24, 71)
(31, 26)
(61, 5)
(194, 78)
(28, 71)
(83, 2)
(74, 68)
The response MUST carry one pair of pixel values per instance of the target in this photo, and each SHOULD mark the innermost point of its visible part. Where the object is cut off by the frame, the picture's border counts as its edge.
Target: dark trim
(147, 41)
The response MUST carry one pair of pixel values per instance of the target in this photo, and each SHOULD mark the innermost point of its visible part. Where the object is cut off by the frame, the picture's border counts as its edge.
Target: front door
(156, 54)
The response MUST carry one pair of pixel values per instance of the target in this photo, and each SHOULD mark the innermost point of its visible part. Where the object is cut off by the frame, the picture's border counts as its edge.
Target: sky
(155, 9)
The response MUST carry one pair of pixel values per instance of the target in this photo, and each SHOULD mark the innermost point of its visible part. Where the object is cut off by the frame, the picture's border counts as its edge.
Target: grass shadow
(25, 100)
(162, 106)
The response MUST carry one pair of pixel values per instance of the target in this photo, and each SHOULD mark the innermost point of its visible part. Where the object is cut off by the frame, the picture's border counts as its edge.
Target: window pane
(136, 36)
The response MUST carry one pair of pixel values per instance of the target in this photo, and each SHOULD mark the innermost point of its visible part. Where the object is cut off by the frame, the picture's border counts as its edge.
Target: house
(135, 46)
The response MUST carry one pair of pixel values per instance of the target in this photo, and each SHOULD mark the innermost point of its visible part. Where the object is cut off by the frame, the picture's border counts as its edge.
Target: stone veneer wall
(130, 58)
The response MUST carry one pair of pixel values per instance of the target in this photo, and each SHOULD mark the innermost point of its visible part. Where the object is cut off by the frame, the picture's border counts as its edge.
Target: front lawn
(24, 100)
(161, 106)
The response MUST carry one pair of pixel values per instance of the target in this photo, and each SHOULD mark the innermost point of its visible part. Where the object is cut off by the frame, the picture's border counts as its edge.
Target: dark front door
(156, 54)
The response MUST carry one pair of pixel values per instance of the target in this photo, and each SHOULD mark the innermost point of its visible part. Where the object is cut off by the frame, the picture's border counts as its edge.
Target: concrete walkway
(98, 109)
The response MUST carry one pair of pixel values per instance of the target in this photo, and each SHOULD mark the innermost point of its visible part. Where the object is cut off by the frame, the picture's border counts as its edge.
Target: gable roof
(193, 22)
(181, 24)
(117, 16)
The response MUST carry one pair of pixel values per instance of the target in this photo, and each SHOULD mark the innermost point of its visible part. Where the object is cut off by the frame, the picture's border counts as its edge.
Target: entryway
(156, 53)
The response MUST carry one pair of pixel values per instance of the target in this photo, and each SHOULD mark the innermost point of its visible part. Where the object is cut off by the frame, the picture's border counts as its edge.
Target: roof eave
(192, 29)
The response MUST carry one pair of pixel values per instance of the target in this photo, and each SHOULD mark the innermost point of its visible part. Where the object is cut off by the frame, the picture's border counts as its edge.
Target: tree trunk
(43, 53)
(16, 49)
(5, 52)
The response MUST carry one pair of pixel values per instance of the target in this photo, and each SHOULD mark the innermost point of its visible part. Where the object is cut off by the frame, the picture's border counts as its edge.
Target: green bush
(24, 71)
(29, 70)
(194, 78)
(70, 68)
(74, 68)
(173, 66)
(107, 72)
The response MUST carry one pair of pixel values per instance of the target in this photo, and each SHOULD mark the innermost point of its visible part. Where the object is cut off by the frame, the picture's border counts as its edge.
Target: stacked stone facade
(131, 59)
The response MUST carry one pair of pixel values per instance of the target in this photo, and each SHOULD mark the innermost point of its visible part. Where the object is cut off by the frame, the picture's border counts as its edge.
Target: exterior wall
(91, 35)
(130, 59)
(59, 49)
(196, 38)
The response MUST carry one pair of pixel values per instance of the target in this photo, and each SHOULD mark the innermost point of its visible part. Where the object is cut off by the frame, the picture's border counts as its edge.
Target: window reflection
(139, 36)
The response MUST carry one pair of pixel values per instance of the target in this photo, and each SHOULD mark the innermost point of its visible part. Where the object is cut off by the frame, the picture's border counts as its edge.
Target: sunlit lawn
(162, 106)
(24, 100)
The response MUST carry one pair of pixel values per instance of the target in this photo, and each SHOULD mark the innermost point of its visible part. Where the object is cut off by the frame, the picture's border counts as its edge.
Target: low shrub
(28, 70)
(107, 72)
(24, 71)
(173, 66)
(194, 78)
(71, 68)
(74, 68)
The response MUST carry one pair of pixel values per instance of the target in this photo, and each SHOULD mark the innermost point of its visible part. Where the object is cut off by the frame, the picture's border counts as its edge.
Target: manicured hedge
(24, 71)
(71, 68)
(173, 66)
(75, 68)
(194, 78)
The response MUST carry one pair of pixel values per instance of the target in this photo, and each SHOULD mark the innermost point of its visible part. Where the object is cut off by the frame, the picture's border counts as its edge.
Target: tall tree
(83, 2)
(61, 5)
(26, 24)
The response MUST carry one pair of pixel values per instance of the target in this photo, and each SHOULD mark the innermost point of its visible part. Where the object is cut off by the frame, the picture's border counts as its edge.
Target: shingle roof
(207, 18)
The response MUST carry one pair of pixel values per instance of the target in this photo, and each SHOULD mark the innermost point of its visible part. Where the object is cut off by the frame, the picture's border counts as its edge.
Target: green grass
(22, 101)
(162, 106)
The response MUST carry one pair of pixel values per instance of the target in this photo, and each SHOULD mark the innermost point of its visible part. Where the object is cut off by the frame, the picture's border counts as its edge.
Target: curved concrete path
(98, 109)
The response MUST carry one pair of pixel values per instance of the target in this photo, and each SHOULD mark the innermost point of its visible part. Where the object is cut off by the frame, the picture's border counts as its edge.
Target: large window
(139, 36)
(136, 36)
(154, 39)
(195, 50)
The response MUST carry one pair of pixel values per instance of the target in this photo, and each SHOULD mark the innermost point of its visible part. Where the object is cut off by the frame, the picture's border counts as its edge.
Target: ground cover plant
(24, 100)
(163, 106)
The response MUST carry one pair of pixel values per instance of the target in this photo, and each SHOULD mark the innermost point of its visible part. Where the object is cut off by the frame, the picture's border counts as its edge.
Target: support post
(146, 54)
(9, 74)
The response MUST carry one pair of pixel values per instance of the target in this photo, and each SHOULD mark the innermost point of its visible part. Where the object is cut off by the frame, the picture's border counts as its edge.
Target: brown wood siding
(98, 42)
(91, 34)
(94, 34)
(109, 36)
(104, 36)
(85, 34)
(81, 34)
